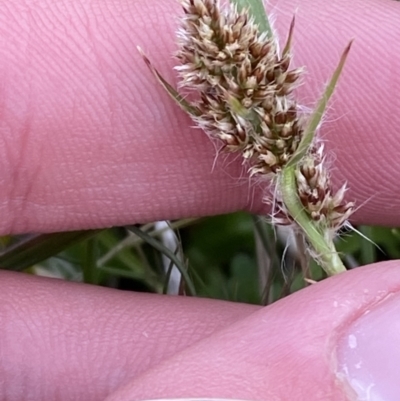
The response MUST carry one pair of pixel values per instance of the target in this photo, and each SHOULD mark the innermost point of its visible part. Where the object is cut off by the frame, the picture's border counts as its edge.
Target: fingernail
(369, 353)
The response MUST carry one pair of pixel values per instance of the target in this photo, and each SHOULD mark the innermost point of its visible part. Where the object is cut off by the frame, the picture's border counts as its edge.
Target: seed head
(242, 91)
(314, 189)
(243, 84)
(316, 193)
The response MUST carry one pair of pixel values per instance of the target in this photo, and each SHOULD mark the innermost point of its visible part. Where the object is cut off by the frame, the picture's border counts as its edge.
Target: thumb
(336, 340)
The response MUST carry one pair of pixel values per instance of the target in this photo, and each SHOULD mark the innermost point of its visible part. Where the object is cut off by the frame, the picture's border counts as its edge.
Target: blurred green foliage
(235, 257)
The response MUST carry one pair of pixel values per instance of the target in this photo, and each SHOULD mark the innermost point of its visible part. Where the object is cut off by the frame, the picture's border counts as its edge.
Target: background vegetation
(235, 257)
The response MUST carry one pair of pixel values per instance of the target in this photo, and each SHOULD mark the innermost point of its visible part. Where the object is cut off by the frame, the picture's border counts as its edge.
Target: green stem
(324, 248)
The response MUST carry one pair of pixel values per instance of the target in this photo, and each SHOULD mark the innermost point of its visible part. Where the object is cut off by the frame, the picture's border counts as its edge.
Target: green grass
(235, 257)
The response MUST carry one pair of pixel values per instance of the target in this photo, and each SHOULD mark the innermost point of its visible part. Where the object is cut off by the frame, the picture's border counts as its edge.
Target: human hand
(89, 140)
(68, 341)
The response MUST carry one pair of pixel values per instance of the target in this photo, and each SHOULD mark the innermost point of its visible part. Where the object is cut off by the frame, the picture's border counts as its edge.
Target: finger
(89, 139)
(303, 347)
(66, 341)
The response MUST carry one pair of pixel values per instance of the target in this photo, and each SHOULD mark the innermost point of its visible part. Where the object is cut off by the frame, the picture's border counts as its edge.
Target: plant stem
(322, 245)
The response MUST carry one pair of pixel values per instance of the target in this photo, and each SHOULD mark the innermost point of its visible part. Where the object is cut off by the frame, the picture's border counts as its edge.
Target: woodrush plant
(243, 97)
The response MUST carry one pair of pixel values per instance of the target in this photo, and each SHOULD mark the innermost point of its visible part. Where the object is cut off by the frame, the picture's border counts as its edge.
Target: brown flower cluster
(244, 99)
(242, 82)
(315, 192)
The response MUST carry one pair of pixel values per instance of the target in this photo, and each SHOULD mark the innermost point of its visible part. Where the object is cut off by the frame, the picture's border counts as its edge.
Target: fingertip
(54, 333)
(279, 352)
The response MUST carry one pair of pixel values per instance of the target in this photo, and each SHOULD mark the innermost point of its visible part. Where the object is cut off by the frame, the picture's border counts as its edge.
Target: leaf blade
(316, 117)
(172, 92)
(37, 248)
(168, 253)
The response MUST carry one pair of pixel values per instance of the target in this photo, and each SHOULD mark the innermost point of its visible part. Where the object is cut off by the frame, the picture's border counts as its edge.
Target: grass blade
(168, 253)
(168, 274)
(37, 248)
(182, 103)
(289, 40)
(316, 117)
(367, 248)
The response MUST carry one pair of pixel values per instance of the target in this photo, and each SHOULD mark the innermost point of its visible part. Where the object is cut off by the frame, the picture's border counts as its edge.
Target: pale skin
(88, 139)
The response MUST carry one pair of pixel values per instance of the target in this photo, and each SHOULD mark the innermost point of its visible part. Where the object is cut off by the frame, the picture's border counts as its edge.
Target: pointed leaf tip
(316, 116)
(288, 44)
(182, 103)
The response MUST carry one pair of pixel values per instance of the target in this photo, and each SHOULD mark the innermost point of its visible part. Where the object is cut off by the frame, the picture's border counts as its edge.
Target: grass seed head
(242, 84)
(316, 193)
